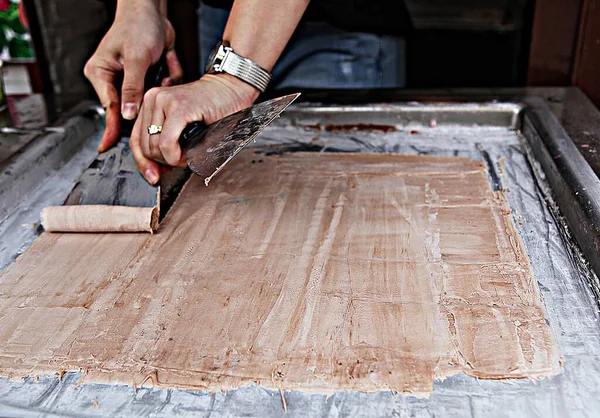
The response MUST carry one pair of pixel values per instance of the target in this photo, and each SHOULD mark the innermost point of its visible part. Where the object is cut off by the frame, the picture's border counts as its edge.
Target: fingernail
(151, 176)
(129, 110)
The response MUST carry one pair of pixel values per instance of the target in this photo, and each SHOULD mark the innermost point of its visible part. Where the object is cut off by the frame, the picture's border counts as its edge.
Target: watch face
(211, 58)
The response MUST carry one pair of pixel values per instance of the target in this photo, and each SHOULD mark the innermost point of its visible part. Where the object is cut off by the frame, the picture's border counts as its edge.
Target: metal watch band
(246, 70)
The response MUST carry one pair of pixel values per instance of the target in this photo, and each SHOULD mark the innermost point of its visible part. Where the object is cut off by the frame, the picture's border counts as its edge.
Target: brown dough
(305, 271)
(99, 218)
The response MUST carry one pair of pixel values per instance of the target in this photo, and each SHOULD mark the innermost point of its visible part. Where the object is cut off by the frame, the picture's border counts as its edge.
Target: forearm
(260, 29)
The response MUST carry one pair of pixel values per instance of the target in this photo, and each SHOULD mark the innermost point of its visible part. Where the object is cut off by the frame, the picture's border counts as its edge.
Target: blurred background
(456, 43)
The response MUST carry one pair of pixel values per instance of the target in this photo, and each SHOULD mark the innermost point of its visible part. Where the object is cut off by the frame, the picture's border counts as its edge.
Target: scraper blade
(210, 148)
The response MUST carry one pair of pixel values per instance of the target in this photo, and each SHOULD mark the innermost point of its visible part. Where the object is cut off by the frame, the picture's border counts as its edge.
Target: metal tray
(554, 197)
(484, 130)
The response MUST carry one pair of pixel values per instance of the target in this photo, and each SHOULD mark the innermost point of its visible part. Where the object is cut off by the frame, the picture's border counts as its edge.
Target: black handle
(192, 134)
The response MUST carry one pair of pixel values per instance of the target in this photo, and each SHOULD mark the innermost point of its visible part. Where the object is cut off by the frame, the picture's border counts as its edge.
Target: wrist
(245, 92)
(127, 8)
(223, 59)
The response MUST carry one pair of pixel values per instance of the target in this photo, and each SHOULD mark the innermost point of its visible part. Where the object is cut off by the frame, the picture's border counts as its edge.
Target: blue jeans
(322, 56)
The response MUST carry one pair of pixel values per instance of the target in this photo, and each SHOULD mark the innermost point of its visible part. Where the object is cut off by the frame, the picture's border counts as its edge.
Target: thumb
(134, 71)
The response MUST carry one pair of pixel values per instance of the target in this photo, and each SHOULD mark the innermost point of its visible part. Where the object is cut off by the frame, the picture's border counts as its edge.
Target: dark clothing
(382, 17)
(321, 56)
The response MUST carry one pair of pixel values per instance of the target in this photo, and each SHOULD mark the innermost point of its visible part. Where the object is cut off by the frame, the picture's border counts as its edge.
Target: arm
(135, 41)
(256, 29)
(260, 29)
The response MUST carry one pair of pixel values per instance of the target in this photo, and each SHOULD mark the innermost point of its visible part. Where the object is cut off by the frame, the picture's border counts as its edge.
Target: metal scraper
(210, 148)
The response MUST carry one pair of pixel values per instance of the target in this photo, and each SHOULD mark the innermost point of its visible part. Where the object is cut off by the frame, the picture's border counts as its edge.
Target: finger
(155, 153)
(169, 141)
(134, 69)
(174, 66)
(146, 119)
(168, 146)
(103, 82)
(148, 168)
(157, 118)
(151, 144)
(112, 131)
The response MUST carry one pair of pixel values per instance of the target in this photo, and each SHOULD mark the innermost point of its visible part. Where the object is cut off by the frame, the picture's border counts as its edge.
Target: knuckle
(133, 54)
(165, 143)
(168, 149)
(175, 104)
(162, 96)
(136, 55)
(151, 94)
(131, 93)
(87, 69)
(132, 85)
(90, 69)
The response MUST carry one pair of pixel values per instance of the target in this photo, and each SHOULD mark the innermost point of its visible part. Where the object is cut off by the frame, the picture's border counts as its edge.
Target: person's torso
(373, 16)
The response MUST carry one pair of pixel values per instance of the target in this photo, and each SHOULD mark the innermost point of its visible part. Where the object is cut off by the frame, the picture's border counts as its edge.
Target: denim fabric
(322, 56)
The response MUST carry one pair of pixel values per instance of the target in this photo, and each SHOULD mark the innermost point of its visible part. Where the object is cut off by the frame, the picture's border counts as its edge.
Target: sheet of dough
(99, 218)
(305, 271)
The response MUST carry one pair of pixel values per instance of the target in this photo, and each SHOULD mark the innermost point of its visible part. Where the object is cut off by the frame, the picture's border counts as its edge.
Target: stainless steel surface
(574, 110)
(488, 114)
(574, 185)
(563, 277)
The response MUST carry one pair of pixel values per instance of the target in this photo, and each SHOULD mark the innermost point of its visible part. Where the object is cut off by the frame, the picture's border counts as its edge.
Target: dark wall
(469, 43)
(565, 46)
(586, 68)
(456, 43)
(451, 58)
(70, 30)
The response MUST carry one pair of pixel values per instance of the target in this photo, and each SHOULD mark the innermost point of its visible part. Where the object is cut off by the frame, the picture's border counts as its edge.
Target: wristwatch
(223, 60)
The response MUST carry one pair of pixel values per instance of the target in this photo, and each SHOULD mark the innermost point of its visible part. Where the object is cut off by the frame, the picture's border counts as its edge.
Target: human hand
(209, 99)
(134, 42)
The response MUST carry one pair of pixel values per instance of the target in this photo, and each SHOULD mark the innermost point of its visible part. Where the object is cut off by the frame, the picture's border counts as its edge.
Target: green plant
(14, 38)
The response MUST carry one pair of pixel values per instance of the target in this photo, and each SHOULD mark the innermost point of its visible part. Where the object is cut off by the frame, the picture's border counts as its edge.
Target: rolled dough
(306, 271)
(99, 218)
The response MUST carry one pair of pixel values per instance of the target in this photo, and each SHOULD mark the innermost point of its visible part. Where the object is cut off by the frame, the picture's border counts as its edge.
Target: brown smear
(314, 272)
(353, 127)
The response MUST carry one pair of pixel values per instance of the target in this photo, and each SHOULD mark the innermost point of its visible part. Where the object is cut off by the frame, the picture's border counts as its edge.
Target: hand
(135, 41)
(209, 99)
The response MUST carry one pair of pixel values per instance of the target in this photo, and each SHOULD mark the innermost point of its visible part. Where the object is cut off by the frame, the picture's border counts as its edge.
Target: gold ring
(154, 129)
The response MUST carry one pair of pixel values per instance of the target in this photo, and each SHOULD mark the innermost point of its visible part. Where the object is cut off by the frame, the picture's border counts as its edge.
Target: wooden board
(303, 271)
